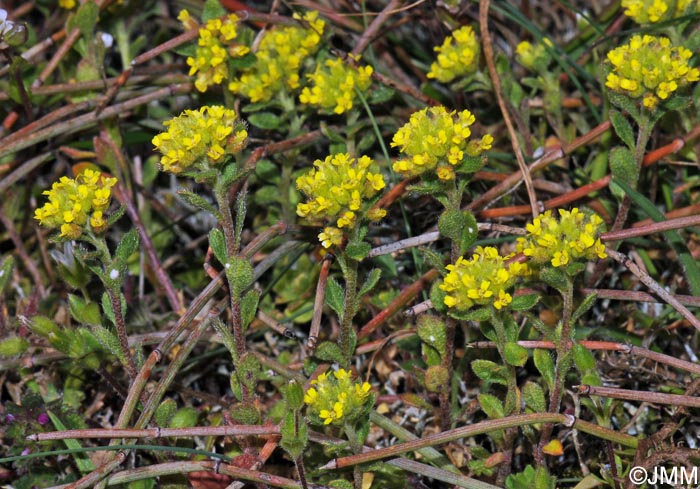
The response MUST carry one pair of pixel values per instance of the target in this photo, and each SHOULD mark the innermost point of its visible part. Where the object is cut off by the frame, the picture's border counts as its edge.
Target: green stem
(115, 298)
(349, 309)
(511, 404)
(563, 345)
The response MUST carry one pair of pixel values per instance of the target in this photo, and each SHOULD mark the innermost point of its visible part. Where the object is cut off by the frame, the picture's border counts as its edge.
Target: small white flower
(114, 274)
(107, 39)
(5, 25)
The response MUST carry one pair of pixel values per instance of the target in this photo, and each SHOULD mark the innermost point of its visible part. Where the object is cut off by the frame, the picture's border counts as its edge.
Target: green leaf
(515, 354)
(357, 250)
(248, 370)
(217, 241)
(371, 281)
(329, 352)
(545, 366)
(622, 127)
(583, 308)
(82, 461)
(226, 336)
(335, 296)
(239, 273)
(85, 19)
(212, 10)
(264, 120)
(184, 418)
(432, 331)
(245, 413)
(84, 312)
(294, 395)
(437, 297)
(127, 247)
(165, 412)
(490, 371)
(625, 103)
(242, 63)
(623, 167)
(295, 435)
(584, 359)
(109, 341)
(524, 302)
(198, 202)
(437, 379)
(451, 223)
(677, 102)
(480, 314)
(554, 277)
(470, 231)
(249, 307)
(690, 265)
(231, 174)
(534, 397)
(491, 405)
(13, 346)
(107, 306)
(380, 95)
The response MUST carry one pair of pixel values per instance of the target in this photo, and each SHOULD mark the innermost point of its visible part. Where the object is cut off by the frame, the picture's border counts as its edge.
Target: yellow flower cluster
(214, 47)
(75, 202)
(333, 85)
(650, 67)
(652, 11)
(336, 189)
(199, 136)
(482, 280)
(334, 399)
(535, 57)
(574, 236)
(435, 136)
(458, 56)
(278, 59)
(67, 4)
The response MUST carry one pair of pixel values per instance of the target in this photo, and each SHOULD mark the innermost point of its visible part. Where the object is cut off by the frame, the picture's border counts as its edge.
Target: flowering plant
(333, 85)
(75, 203)
(458, 56)
(336, 399)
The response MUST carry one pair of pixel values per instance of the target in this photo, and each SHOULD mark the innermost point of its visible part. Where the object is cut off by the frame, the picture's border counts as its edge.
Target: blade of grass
(84, 464)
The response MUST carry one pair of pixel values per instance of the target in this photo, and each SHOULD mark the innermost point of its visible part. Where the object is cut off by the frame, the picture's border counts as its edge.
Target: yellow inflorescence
(216, 44)
(482, 280)
(337, 188)
(67, 4)
(652, 11)
(333, 85)
(278, 59)
(75, 202)
(458, 56)
(433, 136)
(574, 236)
(334, 399)
(651, 68)
(200, 136)
(534, 57)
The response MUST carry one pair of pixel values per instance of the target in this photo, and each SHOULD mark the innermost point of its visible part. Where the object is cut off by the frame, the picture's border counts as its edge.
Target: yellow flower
(652, 11)
(434, 135)
(650, 68)
(534, 58)
(336, 399)
(333, 85)
(458, 56)
(201, 136)
(280, 56)
(215, 45)
(482, 280)
(67, 4)
(574, 236)
(339, 189)
(73, 203)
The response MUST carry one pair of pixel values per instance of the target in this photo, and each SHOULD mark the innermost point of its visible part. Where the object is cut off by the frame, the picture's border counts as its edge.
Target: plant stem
(115, 298)
(349, 309)
(563, 347)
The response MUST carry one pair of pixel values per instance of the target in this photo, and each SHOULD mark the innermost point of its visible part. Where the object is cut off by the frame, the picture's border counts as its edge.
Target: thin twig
(498, 90)
(641, 396)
